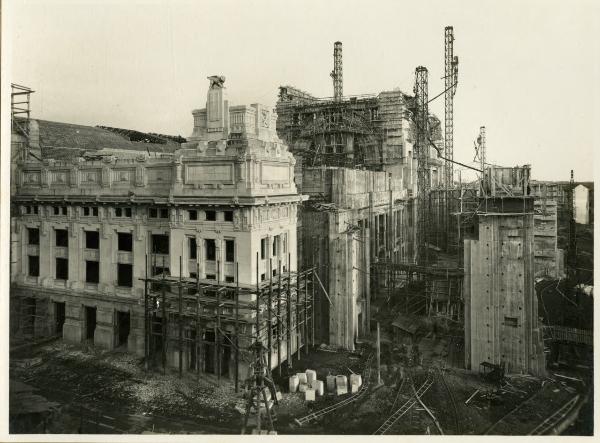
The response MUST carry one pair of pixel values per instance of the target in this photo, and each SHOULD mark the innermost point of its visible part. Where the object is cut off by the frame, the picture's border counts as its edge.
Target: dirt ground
(109, 392)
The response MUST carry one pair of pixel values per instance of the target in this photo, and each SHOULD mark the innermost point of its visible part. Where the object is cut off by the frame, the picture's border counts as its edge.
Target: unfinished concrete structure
(176, 252)
(501, 314)
(355, 160)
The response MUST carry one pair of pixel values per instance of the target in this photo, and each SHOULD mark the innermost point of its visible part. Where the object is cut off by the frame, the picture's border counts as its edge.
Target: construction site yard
(94, 391)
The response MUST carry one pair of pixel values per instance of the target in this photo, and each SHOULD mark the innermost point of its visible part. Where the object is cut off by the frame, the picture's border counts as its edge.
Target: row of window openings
(160, 243)
(92, 239)
(279, 246)
(92, 271)
(161, 213)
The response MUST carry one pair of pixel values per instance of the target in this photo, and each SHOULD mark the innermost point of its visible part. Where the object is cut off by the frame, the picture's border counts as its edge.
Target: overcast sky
(528, 70)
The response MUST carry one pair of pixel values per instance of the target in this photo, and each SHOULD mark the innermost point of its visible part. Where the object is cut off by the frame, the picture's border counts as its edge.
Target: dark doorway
(209, 352)
(225, 357)
(156, 338)
(28, 316)
(90, 322)
(123, 326)
(59, 317)
(190, 334)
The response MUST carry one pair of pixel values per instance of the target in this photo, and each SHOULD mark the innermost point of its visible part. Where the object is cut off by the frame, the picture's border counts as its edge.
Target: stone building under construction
(184, 253)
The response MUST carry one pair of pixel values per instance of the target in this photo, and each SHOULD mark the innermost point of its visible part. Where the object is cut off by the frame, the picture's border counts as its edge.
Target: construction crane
(450, 82)
(421, 92)
(337, 74)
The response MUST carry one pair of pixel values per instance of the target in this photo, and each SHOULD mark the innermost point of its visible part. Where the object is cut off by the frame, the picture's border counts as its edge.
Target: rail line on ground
(317, 415)
(392, 419)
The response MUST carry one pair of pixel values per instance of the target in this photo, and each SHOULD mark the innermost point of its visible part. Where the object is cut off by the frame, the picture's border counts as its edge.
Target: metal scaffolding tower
(481, 152)
(20, 112)
(422, 150)
(337, 74)
(451, 79)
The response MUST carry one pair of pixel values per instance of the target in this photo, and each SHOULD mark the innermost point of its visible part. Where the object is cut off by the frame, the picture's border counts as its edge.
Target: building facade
(88, 236)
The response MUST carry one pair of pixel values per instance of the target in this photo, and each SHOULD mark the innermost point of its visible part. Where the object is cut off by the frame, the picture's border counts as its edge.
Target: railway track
(452, 401)
(549, 424)
(317, 415)
(392, 419)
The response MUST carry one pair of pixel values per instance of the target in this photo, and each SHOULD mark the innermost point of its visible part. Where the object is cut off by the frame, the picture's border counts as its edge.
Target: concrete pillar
(74, 323)
(135, 341)
(104, 335)
(107, 252)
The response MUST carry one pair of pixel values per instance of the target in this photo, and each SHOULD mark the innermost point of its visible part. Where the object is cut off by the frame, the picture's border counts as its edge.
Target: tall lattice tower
(422, 150)
(338, 73)
(450, 81)
(482, 160)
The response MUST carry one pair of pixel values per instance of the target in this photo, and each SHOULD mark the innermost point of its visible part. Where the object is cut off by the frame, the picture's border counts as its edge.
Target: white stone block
(341, 390)
(294, 382)
(302, 387)
(330, 383)
(302, 377)
(318, 386)
(311, 375)
(309, 395)
(341, 380)
(356, 379)
(354, 388)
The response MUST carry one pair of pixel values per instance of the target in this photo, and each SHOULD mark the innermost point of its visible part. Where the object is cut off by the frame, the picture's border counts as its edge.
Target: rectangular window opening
(62, 268)
(228, 216)
(229, 251)
(211, 250)
(92, 239)
(211, 215)
(125, 241)
(62, 238)
(124, 275)
(193, 248)
(160, 244)
(193, 214)
(34, 266)
(33, 236)
(92, 272)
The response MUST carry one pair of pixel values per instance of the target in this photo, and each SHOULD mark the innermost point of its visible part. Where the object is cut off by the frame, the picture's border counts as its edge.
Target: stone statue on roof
(216, 81)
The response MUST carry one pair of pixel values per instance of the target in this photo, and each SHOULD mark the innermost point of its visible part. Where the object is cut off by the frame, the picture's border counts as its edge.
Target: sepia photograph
(344, 218)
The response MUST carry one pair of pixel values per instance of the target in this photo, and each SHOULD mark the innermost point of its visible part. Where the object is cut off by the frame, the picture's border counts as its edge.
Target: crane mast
(337, 74)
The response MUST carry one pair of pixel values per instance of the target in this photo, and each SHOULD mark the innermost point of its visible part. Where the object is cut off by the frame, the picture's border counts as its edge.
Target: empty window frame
(192, 214)
(513, 322)
(90, 211)
(158, 213)
(228, 216)
(193, 248)
(34, 266)
(33, 236)
(62, 268)
(229, 279)
(125, 241)
(276, 240)
(229, 251)
(124, 275)
(210, 215)
(160, 244)
(92, 239)
(211, 250)
(61, 237)
(92, 271)
(123, 212)
(263, 248)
